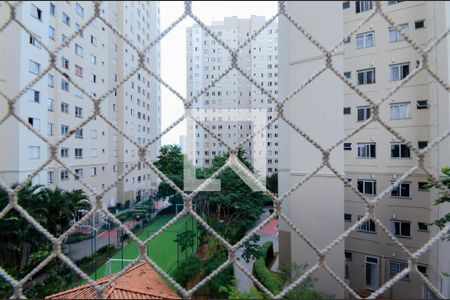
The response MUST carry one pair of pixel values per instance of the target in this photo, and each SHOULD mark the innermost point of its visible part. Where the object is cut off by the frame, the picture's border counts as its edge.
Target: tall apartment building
(97, 60)
(377, 59)
(207, 59)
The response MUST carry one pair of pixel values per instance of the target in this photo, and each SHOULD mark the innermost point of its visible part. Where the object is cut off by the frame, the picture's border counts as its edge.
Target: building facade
(206, 60)
(97, 60)
(376, 59)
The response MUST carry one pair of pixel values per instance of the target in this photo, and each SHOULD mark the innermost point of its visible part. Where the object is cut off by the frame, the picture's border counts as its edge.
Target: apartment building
(97, 60)
(207, 60)
(376, 59)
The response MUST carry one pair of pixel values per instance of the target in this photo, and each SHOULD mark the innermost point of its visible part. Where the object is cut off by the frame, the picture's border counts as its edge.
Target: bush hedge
(263, 274)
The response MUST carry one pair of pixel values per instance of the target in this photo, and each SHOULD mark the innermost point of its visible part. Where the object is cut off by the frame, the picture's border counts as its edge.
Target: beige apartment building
(207, 60)
(376, 59)
(97, 60)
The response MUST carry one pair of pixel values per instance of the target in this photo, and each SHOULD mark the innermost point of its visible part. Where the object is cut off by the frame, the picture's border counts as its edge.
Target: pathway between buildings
(267, 233)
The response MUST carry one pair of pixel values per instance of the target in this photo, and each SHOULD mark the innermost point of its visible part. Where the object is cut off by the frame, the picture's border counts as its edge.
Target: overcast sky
(173, 49)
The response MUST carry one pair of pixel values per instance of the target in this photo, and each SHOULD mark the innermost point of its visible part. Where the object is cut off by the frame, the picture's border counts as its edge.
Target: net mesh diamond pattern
(282, 12)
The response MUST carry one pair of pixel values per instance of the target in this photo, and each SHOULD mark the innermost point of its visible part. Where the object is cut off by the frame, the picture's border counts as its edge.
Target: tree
(170, 163)
(272, 183)
(235, 208)
(185, 239)
(252, 249)
(443, 198)
(289, 272)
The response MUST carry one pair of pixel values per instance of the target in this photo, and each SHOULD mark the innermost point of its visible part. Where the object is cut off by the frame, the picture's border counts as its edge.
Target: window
(347, 40)
(78, 153)
(399, 150)
(64, 63)
(34, 67)
(367, 187)
(395, 36)
(64, 85)
(345, 4)
(66, 19)
(64, 175)
(78, 50)
(93, 134)
(79, 71)
(401, 228)
(79, 9)
(35, 96)
(367, 226)
(399, 111)
(64, 152)
(390, 2)
(403, 190)
(34, 152)
(50, 79)
(94, 171)
(93, 59)
(79, 173)
(348, 75)
(419, 24)
(64, 130)
(36, 12)
(362, 6)
(34, 41)
(366, 76)
(51, 33)
(93, 78)
(49, 177)
(365, 40)
(93, 152)
(363, 113)
(397, 267)
(347, 146)
(421, 226)
(348, 256)
(35, 123)
(93, 40)
(50, 104)
(367, 150)
(347, 217)
(79, 133)
(423, 270)
(52, 9)
(64, 107)
(422, 104)
(78, 112)
(347, 110)
(49, 129)
(422, 186)
(399, 71)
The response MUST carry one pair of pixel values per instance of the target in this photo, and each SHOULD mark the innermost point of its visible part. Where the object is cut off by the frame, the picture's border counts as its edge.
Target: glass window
(399, 150)
(367, 187)
(363, 113)
(399, 111)
(366, 150)
(366, 76)
(399, 71)
(367, 226)
(401, 228)
(395, 36)
(362, 6)
(365, 40)
(403, 190)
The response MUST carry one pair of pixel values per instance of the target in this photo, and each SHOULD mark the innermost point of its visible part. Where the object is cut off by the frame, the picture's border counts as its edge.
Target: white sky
(173, 49)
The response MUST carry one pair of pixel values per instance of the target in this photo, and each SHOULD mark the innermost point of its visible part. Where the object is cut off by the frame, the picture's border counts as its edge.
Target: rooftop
(139, 282)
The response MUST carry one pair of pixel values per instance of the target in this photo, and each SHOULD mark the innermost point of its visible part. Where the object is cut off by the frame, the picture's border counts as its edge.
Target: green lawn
(163, 249)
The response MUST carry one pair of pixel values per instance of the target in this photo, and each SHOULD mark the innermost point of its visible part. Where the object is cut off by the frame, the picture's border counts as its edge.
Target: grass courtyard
(163, 250)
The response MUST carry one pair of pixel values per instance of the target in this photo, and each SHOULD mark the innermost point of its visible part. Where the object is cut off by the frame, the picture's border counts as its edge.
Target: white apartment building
(97, 60)
(207, 60)
(376, 59)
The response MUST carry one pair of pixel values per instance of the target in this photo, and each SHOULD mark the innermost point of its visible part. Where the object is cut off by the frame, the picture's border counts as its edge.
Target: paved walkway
(267, 233)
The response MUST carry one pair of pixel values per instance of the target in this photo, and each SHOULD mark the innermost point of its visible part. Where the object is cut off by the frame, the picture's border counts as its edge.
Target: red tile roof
(139, 282)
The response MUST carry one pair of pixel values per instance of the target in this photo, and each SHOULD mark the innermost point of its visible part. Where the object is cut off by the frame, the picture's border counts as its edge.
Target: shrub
(187, 269)
(272, 282)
